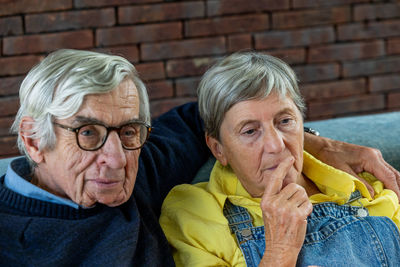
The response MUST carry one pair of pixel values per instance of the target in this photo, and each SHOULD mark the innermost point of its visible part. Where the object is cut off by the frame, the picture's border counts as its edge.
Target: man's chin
(112, 201)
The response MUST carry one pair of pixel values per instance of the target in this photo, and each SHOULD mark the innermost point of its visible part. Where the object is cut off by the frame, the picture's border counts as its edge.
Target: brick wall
(345, 52)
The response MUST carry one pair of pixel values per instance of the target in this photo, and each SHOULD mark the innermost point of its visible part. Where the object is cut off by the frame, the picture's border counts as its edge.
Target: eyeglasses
(92, 137)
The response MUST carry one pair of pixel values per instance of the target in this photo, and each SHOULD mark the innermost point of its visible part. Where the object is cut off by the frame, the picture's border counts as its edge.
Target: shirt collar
(18, 179)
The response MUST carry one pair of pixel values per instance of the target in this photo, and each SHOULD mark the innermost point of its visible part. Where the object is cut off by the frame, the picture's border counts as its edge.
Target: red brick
(160, 12)
(188, 67)
(303, 37)
(322, 3)
(226, 25)
(159, 107)
(30, 6)
(10, 26)
(334, 89)
(102, 3)
(393, 46)
(384, 82)
(8, 146)
(370, 67)
(47, 42)
(290, 56)
(5, 125)
(138, 34)
(376, 11)
(348, 51)
(9, 105)
(185, 48)
(317, 72)
(131, 53)
(151, 71)
(17, 65)
(347, 105)
(187, 86)
(239, 42)
(70, 20)
(224, 7)
(394, 100)
(359, 31)
(10, 85)
(305, 18)
(160, 89)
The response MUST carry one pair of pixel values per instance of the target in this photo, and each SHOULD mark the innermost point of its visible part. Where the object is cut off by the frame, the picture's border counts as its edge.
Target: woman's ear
(217, 149)
(31, 144)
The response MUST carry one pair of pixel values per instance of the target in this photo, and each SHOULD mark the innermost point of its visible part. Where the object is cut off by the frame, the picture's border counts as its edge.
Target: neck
(309, 186)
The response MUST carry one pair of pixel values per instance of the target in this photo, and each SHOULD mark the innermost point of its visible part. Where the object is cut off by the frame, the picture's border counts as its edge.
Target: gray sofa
(381, 131)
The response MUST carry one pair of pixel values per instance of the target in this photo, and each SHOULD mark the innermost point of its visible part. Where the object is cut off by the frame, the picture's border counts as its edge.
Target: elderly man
(82, 195)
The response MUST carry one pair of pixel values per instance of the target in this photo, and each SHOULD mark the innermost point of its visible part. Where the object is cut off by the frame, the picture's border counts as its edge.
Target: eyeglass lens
(93, 136)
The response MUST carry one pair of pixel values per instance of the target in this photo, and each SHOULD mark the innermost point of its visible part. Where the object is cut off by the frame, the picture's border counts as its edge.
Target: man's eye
(89, 131)
(129, 131)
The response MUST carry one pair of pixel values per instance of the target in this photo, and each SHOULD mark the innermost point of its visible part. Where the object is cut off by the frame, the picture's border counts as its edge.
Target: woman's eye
(287, 122)
(249, 132)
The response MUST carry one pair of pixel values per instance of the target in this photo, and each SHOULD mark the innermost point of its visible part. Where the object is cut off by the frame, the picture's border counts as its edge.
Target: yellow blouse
(195, 226)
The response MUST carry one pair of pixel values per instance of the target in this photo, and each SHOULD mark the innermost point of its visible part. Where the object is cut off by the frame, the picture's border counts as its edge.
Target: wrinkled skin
(262, 141)
(104, 176)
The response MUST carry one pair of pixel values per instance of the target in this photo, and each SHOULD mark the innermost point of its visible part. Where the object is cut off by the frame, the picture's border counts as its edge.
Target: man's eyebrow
(90, 120)
(86, 120)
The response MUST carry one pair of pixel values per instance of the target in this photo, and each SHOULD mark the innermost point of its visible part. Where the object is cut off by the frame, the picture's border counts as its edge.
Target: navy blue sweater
(38, 233)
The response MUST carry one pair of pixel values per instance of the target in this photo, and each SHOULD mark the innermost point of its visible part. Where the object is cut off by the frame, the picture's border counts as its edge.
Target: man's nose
(113, 153)
(273, 141)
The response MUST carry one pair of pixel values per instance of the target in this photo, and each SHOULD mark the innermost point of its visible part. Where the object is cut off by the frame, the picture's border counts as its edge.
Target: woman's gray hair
(56, 87)
(243, 76)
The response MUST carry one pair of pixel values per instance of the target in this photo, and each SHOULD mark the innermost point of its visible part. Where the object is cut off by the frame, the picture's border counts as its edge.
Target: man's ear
(31, 144)
(217, 149)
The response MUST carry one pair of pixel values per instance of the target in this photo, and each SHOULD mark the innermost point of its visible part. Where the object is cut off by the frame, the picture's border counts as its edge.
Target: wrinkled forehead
(112, 108)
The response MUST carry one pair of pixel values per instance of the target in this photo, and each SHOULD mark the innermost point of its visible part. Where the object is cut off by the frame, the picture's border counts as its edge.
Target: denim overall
(336, 236)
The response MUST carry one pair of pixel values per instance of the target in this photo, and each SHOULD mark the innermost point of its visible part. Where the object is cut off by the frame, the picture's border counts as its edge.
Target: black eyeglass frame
(109, 129)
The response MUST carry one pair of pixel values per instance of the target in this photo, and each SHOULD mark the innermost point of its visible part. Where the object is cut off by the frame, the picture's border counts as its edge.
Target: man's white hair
(56, 87)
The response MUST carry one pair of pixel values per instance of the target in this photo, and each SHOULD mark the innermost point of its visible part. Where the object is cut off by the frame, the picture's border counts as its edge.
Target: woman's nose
(273, 141)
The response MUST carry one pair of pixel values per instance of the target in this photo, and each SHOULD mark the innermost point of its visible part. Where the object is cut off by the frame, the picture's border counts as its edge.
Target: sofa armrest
(381, 131)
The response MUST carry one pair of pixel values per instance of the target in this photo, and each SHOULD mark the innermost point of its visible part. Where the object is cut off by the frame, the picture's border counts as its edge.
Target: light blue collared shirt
(14, 181)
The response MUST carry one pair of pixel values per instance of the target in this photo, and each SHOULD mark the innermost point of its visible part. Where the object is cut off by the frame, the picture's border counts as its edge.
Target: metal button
(246, 233)
(362, 212)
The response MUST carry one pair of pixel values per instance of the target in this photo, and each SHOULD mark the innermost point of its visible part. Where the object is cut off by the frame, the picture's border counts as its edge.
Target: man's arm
(353, 159)
(175, 151)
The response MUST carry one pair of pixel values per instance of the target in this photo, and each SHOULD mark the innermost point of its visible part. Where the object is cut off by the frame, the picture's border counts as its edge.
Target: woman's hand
(285, 212)
(353, 159)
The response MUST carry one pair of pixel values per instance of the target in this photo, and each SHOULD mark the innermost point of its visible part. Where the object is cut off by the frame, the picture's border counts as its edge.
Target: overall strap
(238, 217)
(356, 195)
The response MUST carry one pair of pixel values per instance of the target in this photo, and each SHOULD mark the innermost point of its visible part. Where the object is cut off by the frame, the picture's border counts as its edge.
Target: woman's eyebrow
(242, 123)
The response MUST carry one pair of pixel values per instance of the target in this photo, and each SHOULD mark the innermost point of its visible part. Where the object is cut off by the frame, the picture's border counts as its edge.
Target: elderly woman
(267, 201)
